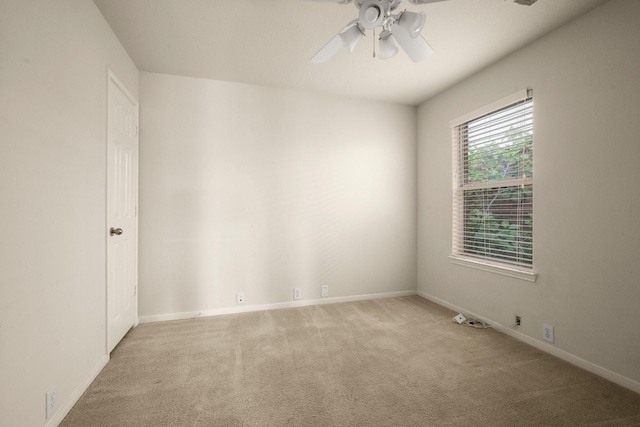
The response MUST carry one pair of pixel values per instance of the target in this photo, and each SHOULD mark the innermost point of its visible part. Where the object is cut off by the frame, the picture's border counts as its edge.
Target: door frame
(113, 78)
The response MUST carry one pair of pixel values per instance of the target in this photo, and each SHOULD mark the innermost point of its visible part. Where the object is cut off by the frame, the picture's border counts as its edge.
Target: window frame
(460, 257)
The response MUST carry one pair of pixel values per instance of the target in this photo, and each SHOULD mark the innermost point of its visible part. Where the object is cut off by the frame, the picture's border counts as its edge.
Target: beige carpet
(391, 362)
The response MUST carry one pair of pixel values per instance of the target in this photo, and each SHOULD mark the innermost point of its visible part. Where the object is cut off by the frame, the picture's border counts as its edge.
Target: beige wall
(585, 78)
(260, 190)
(53, 96)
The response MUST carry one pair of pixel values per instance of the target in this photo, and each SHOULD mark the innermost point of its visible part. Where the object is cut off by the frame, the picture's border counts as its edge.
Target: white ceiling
(270, 42)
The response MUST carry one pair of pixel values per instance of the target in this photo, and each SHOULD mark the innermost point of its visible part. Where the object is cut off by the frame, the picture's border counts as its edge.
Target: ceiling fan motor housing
(373, 13)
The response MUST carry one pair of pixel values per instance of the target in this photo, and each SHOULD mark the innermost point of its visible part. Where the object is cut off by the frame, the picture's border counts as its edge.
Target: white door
(122, 200)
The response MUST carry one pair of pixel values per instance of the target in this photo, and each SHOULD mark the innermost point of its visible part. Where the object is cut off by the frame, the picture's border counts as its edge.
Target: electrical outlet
(297, 293)
(325, 291)
(517, 320)
(240, 297)
(52, 401)
(547, 332)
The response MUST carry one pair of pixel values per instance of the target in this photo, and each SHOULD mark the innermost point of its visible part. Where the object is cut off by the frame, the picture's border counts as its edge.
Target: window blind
(493, 186)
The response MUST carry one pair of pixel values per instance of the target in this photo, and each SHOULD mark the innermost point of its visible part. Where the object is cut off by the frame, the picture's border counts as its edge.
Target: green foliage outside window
(499, 219)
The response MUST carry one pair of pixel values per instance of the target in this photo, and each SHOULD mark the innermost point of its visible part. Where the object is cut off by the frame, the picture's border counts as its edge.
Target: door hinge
(137, 131)
(135, 291)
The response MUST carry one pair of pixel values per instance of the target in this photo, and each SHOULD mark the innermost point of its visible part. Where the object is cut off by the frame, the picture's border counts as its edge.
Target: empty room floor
(388, 362)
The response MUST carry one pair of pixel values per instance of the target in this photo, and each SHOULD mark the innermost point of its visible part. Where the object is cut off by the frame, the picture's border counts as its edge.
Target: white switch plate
(547, 332)
(52, 401)
(325, 291)
(240, 298)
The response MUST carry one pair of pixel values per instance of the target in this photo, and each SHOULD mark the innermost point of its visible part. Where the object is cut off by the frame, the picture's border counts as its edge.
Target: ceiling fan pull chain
(374, 42)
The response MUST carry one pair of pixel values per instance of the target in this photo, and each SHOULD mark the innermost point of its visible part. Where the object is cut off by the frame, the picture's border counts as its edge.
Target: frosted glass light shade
(388, 48)
(412, 22)
(351, 37)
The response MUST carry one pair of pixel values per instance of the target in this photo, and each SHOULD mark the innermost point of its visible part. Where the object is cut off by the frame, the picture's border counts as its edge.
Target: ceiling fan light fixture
(412, 22)
(352, 36)
(388, 48)
(372, 13)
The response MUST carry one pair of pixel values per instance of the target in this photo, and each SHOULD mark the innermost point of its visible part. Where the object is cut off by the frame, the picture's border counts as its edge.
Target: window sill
(493, 268)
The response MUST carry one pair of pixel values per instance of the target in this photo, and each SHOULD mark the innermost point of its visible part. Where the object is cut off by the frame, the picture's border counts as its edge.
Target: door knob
(116, 231)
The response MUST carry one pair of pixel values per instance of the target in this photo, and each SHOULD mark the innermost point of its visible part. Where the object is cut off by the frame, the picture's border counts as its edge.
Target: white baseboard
(568, 357)
(66, 407)
(274, 306)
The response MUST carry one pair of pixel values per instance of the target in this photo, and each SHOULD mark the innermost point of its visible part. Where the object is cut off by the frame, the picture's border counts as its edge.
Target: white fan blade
(335, 44)
(328, 51)
(417, 48)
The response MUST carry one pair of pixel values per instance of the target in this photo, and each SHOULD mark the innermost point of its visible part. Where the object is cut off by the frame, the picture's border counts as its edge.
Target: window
(493, 187)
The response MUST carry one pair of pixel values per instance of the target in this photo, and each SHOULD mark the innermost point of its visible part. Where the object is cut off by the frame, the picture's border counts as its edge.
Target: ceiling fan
(404, 27)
